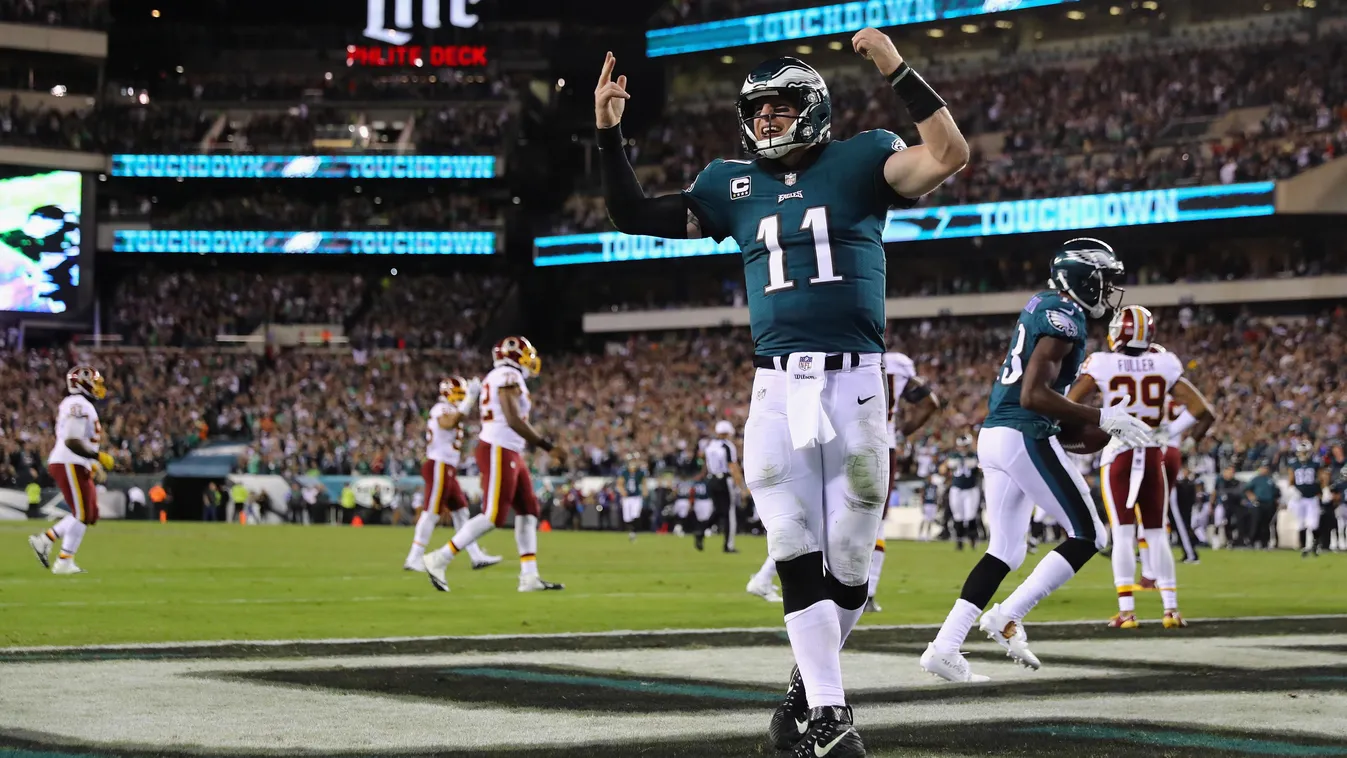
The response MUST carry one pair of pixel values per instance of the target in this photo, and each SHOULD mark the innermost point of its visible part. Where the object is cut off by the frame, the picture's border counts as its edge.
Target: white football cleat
(41, 545)
(765, 590)
(994, 624)
(435, 565)
(487, 560)
(65, 566)
(535, 583)
(951, 667)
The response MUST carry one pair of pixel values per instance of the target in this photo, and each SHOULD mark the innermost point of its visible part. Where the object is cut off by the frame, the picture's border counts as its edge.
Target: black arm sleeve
(915, 390)
(628, 207)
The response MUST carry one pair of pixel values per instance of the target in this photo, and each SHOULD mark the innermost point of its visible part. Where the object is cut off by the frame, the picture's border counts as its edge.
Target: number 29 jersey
(495, 430)
(812, 241)
(1142, 381)
(1047, 314)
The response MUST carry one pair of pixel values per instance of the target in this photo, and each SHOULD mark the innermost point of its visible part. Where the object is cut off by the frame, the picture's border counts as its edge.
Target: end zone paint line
(209, 644)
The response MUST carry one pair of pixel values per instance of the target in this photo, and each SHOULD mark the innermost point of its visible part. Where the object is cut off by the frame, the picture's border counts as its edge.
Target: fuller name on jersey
(443, 445)
(812, 241)
(75, 419)
(1047, 314)
(495, 430)
(1142, 381)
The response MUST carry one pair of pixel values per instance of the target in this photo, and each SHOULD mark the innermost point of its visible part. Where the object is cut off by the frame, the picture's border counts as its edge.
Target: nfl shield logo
(806, 361)
(790, 179)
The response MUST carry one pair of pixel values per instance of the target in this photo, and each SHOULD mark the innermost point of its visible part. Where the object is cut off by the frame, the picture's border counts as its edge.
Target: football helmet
(964, 441)
(1157, 348)
(86, 381)
(795, 80)
(1131, 330)
(453, 390)
(1089, 272)
(1305, 450)
(517, 352)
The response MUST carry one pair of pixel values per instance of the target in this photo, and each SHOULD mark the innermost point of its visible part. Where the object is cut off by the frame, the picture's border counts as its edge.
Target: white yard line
(208, 644)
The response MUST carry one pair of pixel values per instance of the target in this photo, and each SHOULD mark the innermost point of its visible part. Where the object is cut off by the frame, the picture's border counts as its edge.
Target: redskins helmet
(453, 390)
(517, 352)
(1131, 330)
(86, 381)
(1157, 348)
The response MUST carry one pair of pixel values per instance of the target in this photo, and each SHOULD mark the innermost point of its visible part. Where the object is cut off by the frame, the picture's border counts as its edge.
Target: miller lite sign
(376, 22)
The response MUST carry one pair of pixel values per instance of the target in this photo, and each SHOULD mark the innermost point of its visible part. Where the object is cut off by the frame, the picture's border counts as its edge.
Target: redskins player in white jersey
(1134, 481)
(439, 472)
(506, 482)
(73, 463)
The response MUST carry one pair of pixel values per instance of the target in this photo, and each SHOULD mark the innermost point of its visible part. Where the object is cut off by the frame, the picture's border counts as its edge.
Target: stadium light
(937, 33)
(1076, 15)
(835, 45)
(727, 59)
(1115, 10)
(804, 50)
(970, 29)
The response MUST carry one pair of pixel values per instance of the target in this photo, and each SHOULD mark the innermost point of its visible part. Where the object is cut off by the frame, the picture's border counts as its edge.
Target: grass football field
(151, 582)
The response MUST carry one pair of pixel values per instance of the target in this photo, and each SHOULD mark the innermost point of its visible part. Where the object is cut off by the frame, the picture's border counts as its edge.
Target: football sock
(472, 531)
(1162, 560)
(57, 532)
(850, 602)
(1147, 570)
(461, 518)
(955, 629)
(1052, 572)
(813, 628)
(971, 529)
(1125, 564)
(425, 527)
(526, 539)
(70, 541)
(766, 573)
(876, 567)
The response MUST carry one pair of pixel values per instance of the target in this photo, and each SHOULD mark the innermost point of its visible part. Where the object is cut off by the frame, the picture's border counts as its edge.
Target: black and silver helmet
(793, 79)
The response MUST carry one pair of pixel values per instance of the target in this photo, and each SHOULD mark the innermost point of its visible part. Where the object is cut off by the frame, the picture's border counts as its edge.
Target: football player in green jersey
(1305, 506)
(1022, 463)
(631, 486)
(808, 213)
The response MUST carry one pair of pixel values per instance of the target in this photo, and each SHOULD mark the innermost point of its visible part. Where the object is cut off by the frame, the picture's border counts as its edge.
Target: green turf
(172, 582)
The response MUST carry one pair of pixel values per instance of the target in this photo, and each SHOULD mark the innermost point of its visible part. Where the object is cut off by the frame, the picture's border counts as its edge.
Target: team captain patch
(741, 186)
(1063, 323)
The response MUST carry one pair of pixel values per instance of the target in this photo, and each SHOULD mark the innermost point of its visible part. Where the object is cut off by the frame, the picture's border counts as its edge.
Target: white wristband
(1183, 423)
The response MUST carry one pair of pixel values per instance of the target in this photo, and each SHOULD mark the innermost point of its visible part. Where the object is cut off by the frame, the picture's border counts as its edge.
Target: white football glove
(1129, 430)
(474, 392)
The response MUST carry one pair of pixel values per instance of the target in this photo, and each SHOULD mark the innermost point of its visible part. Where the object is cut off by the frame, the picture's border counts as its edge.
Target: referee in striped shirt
(720, 462)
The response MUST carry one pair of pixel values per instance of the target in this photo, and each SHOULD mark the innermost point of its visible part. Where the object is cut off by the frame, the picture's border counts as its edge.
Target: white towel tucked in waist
(805, 381)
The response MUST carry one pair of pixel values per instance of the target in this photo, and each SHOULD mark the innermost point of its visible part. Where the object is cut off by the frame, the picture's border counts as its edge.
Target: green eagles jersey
(1305, 477)
(631, 483)
(812, 242)
(699, 491)
(1048, 314)
(963, 471)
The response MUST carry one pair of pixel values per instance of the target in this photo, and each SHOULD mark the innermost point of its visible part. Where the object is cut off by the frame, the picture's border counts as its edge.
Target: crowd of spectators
(1065, 130)
(82, 14)
(441, 312)
(270, 209)
(244, 87)
(160, 404)
(188, 308)
(107, 129)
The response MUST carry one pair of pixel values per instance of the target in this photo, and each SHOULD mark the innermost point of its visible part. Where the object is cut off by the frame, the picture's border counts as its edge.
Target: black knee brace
(803, 582)
(984, 580)
(1077, 552)
(846, 597)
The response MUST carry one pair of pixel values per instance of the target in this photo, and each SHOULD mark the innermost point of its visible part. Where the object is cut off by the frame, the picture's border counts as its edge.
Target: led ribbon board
(303, 243)
(821, 21)
(306, 166)
(1107, 211)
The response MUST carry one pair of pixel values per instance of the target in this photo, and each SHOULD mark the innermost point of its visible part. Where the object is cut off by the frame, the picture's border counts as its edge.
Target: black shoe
(830, 735)
(790, 722)
(699, 541)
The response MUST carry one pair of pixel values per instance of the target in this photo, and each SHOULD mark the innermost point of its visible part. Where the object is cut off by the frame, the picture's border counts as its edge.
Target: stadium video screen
(40, 239)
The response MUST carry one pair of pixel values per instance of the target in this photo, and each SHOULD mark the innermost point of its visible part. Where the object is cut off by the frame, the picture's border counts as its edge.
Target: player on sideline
(808, 214)
(631, 486)
(439, 471)
(900, 382)
(1023, 464)
(506, 482)
(1305, 506)
(72, 463)
(965, 496)
(1133, 479)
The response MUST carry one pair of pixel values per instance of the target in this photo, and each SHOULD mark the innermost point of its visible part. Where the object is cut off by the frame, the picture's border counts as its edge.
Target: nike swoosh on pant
(866, 400)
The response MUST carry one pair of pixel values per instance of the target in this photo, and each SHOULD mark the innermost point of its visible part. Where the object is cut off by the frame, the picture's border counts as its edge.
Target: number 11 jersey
(812, 241)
